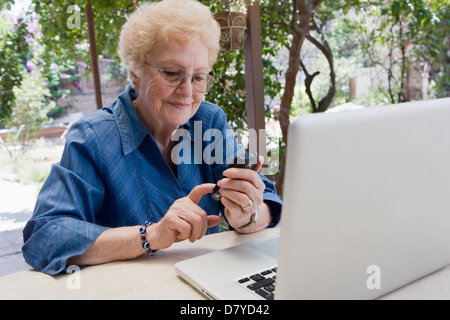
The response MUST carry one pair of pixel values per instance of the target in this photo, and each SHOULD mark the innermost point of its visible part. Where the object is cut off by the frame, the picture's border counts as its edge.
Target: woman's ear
(134, 80)
(134, 84)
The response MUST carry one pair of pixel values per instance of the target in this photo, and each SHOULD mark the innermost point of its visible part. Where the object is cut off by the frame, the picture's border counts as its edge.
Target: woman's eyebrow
(175, 63)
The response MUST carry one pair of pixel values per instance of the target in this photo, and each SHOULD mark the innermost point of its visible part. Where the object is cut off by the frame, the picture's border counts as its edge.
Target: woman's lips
(180, 105)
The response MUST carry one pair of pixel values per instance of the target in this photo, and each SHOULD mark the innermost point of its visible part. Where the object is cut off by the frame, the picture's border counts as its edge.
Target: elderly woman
(119, 191)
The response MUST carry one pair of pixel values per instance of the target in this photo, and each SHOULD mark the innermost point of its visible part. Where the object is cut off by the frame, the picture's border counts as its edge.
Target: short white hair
(167, 20)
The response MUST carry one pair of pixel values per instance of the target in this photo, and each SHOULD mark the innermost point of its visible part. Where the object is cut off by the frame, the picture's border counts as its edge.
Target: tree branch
(309, 78)
(323, 46)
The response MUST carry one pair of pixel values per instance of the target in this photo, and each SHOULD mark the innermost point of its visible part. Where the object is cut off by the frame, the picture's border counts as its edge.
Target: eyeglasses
(175, 77)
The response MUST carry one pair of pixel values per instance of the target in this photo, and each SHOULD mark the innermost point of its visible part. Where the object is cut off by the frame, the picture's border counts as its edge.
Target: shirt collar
(132, 130)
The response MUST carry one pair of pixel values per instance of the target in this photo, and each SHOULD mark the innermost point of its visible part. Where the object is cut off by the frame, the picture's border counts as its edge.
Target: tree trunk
(301, 15)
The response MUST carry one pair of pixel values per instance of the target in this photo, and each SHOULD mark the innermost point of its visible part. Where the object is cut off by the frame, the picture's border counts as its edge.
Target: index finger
(259, 164)
(251, 176)
(199, 191)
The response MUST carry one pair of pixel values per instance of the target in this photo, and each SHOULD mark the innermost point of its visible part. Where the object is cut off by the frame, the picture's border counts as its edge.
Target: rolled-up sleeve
(63, 222)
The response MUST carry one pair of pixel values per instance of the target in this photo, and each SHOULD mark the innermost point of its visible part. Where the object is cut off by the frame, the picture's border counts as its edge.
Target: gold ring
(248, 206)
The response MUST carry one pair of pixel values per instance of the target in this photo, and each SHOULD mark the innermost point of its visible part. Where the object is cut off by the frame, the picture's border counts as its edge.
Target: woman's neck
(160, 131)
(161, 134)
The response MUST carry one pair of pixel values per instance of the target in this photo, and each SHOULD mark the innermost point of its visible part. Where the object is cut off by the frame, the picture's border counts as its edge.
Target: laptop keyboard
(260, 283)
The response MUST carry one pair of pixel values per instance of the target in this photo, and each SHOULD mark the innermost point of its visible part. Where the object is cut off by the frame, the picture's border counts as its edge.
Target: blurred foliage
(58, 45)
(22, 51)
(71, 45)
(229, 92)
(400, 37)
(31, 107)
(392, 36)
(65, 29)
(13, 49)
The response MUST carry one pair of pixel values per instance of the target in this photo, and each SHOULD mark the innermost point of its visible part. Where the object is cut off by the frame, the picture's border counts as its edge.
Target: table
(155, 277)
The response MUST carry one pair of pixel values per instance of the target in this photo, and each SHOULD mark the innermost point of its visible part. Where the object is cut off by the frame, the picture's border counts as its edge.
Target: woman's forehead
(193, 54)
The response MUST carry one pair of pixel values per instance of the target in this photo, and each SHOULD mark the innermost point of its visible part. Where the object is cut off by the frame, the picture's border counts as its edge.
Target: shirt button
(57, 266)
(44, 264)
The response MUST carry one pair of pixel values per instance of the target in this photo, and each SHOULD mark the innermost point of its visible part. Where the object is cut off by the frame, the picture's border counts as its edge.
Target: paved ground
(16, 206)
(17, 199)
(20, 179)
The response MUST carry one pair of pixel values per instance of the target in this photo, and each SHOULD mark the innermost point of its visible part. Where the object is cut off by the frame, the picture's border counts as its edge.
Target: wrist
(260, 221)
(253, 220)
(147, 240)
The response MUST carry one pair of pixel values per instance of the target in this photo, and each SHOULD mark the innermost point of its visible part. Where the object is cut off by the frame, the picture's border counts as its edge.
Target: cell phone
(245, 161)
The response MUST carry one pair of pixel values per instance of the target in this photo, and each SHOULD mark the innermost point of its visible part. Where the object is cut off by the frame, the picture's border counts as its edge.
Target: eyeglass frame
(209, 77)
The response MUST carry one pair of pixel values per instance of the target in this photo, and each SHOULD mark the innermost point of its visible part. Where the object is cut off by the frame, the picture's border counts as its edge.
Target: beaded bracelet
(145, 244)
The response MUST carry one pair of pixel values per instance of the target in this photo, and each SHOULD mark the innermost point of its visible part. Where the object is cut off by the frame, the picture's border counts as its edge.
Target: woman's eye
(199, 77)
(172, 74)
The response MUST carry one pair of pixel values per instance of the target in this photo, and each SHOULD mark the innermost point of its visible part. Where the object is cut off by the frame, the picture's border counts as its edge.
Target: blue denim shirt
(112, 174)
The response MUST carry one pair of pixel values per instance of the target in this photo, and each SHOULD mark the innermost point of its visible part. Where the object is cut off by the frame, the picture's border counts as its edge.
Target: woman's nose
(186, 87)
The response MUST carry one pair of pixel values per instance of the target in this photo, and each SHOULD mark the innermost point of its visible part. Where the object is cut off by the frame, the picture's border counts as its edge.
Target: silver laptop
(365, 210)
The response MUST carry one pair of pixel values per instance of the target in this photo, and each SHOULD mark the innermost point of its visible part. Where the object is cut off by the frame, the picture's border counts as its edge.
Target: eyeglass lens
(201, 82)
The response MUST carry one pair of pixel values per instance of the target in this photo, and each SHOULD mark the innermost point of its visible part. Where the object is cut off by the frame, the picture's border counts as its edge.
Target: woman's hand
(184, 220)
(242, 194)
